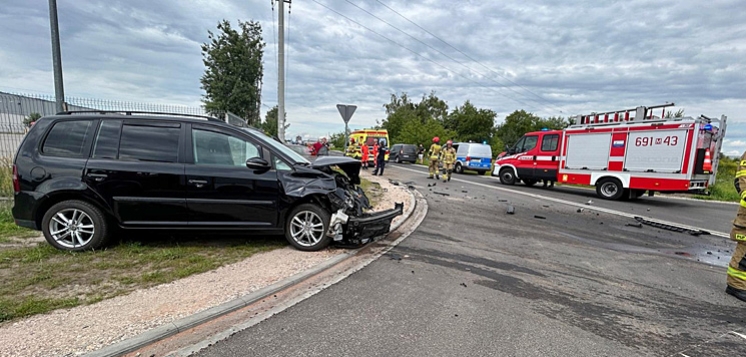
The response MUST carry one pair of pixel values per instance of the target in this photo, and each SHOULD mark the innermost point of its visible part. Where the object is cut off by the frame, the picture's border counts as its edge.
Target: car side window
(212, 148)
(107, 140)
(157, 143)
(550, 142)
(281, 165)
(68, 138)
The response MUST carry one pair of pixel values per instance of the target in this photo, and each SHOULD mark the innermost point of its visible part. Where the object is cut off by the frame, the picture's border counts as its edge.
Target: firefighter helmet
(436, 139)
(449, 142)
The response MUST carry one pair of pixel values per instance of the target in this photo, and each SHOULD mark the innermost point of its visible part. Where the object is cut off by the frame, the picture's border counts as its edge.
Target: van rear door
(478, 157)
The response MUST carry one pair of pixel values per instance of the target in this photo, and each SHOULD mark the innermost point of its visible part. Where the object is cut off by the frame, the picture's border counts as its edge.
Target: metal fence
(16, 110)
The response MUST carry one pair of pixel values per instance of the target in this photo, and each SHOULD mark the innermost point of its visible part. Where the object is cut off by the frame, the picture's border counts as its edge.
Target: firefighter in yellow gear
(737, 266)
(434, 155)
(448, 155)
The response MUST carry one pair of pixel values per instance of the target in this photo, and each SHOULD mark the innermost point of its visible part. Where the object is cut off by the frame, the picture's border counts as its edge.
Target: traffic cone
(707, 165)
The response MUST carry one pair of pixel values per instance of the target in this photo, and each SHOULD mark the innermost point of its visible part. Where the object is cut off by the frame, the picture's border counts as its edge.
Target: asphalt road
(708, 215)
(545, 281)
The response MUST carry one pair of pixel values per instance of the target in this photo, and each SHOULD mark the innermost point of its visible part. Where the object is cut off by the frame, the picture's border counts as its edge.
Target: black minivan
(403, 153)
(78, 175)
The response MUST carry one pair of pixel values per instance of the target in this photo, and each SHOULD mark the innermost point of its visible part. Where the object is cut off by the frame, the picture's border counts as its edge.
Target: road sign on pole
(346, 112)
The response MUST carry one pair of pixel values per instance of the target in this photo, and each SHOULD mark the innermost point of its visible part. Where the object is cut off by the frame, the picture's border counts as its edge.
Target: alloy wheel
(307, 228)
(72, 228)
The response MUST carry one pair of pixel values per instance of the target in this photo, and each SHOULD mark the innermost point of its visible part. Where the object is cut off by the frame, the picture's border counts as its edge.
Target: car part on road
(442, 193)
(542, 217)
(669, 227)
(511, 210)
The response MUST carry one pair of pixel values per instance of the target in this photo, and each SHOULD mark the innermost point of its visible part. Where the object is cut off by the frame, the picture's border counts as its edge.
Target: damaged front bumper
(359, 230)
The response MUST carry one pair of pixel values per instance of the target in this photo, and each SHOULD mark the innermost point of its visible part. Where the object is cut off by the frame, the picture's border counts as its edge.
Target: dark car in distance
(77, 175)
(403, 153)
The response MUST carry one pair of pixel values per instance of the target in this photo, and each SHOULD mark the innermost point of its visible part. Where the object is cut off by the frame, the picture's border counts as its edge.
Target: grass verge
(372, 190)
(723, 189)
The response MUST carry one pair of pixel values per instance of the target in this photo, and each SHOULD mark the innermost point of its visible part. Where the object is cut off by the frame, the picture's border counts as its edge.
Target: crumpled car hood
(351, 167)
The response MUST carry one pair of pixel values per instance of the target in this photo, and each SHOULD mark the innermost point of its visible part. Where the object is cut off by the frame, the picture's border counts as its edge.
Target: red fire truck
(621, 155)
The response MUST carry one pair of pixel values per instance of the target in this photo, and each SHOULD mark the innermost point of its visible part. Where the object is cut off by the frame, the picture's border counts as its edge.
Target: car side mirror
(259, 164)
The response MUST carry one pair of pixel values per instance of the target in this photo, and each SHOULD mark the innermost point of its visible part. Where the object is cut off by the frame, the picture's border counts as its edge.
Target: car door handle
(198, 183)
(97, 177)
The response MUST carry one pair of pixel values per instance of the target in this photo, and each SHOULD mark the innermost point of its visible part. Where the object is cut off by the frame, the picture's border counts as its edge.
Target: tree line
(417, 122)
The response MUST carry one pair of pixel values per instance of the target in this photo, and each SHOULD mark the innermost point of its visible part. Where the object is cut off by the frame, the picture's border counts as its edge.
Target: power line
(469, 57)
(437, 50)
(415, 52)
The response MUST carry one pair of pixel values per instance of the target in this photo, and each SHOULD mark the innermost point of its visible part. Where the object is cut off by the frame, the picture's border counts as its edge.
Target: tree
(678, 114)
(472, 123)
(31, 118)
(520, 122)
(233, 70)
(337, 140)
(415, 132)
(269, 125)
(401, 110)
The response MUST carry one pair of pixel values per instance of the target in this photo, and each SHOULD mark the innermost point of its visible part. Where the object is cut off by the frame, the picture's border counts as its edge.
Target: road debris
(636, 225)
(579, 210)
(463, 284)
(502, 200)
(464, 191)
(511, 210)
(545, 206)
(395, 183)
(442, 193)
(589, 202)
(539, 217)
(671, 228)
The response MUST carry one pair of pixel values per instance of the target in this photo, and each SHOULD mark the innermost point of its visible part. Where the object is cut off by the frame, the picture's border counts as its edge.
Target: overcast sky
(547, 57)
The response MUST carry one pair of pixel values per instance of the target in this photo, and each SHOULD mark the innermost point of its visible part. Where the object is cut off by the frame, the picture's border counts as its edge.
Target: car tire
(306, 227)
(609, 188)
(75, 226)
(397, 160)
(459, 169)
(507, 177)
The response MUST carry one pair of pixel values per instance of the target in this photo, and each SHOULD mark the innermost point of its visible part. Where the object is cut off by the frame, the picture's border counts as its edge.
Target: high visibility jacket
(739, 224)
(375, 152)
(448, 155)
(435, 151)
(364, 149)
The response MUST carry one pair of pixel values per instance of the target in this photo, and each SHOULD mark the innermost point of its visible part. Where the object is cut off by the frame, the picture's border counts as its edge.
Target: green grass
(723, 189)
(372, 190)
(41, 278)
(8, 227)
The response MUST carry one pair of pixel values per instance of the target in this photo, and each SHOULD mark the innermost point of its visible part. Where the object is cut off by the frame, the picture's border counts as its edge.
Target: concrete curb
(186, 323)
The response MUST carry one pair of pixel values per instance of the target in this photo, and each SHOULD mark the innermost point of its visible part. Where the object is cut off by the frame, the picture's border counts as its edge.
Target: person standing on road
(364, 156)
(421, 154)
(380, 159)
(737, 266)
(375, 154)
(434, 155)
(449, 158)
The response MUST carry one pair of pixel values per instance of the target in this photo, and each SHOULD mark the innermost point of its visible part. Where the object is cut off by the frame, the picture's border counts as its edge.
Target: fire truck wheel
(459, 169)
(507, 177)
(609, 188)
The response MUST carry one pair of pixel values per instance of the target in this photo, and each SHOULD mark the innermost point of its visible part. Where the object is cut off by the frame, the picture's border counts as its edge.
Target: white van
(473, 156)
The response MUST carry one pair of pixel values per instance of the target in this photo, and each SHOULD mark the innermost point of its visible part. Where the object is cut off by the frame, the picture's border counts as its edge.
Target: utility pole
(281, 70)
(59, 91)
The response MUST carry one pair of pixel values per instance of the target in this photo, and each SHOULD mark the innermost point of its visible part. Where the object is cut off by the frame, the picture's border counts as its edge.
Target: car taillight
(468, 158)
(16, 184)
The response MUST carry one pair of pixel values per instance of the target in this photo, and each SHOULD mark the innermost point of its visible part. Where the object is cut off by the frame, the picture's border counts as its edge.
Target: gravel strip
(73, 332)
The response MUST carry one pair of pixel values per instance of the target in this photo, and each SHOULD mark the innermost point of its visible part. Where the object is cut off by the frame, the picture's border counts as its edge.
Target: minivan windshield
(294, 156)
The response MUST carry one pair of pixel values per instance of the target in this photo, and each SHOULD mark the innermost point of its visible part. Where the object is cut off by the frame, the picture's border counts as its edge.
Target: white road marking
(575, 204)
(739, 334)
(683, 355)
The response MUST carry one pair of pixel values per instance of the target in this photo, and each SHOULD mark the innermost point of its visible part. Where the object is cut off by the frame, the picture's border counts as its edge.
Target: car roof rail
(131, 112)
